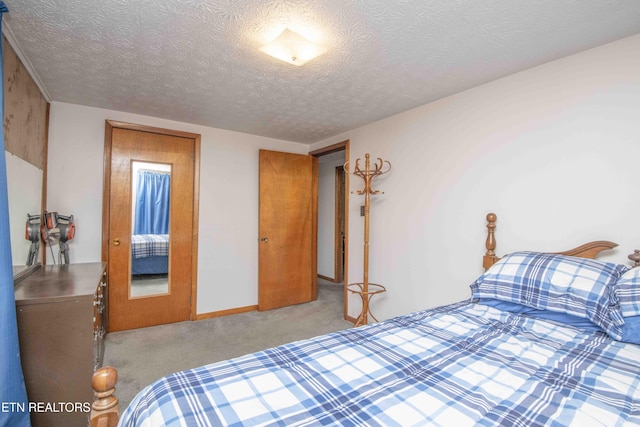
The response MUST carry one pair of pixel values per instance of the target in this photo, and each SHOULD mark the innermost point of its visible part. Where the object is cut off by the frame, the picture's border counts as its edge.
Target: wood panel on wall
(25, 111)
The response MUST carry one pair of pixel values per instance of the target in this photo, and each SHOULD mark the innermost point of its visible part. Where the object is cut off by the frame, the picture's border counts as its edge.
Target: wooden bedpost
(104, 410)
(490, 257)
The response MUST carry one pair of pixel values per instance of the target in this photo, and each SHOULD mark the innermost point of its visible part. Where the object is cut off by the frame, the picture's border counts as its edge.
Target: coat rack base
(365, 295)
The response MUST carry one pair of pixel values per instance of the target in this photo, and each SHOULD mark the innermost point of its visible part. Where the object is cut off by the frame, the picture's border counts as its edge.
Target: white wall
(553, 151)
(228, 231)
(327, 211)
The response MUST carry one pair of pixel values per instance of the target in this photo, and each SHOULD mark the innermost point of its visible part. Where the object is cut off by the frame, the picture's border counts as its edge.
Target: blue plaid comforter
(147, 245)
(459, 365)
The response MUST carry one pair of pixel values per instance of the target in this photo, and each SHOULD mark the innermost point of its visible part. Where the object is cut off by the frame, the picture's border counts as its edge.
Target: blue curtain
(152, 203)
(12, 389)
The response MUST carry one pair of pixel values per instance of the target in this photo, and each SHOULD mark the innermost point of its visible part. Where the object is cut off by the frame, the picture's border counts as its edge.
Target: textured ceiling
(198, 61)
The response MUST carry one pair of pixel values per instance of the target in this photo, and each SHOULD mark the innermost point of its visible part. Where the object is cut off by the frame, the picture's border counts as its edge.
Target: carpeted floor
(143, 355)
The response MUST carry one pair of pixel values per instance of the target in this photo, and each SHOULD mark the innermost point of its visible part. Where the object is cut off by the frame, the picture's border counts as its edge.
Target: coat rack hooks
(365, 289)
(380, 167)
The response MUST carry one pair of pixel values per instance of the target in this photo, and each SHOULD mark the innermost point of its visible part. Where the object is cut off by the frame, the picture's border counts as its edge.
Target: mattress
(462, 364)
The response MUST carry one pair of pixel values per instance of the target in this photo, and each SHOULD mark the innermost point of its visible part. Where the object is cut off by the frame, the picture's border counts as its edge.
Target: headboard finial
(490, 256)
(105, 408)
(491, 239)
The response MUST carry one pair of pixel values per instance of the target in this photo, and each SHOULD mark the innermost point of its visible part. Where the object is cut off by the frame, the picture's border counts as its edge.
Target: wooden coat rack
(365, 289)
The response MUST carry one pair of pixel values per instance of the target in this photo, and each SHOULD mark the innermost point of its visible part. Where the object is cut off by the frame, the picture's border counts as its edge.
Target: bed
(545, 339)
(149, 254)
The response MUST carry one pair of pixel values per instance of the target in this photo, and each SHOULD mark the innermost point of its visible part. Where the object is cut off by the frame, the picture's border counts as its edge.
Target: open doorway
(333, 217)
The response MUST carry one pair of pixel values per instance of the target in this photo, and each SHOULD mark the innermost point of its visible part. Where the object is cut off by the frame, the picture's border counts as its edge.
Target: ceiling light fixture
(291, 47)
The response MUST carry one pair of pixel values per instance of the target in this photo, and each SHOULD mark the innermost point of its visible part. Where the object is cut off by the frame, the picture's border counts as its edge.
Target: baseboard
(329, 279)
(228, 312)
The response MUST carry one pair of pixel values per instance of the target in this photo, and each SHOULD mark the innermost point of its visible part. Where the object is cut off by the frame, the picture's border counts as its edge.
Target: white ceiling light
(291, 47)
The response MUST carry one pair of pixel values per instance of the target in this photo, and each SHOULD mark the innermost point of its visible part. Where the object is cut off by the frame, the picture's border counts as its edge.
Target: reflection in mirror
(24, 188)
(151, 190)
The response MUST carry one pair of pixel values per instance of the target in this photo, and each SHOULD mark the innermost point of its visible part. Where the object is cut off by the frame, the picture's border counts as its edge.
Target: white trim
(6, 31)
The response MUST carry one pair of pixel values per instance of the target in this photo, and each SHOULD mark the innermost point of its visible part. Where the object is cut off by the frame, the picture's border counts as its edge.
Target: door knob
(264, 239)
(116, 242)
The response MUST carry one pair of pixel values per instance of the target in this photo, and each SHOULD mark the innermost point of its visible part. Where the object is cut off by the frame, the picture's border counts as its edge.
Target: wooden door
(287, 261)
(129, 145)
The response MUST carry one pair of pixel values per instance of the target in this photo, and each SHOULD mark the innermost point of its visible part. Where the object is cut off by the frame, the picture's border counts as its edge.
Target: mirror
(24, 188)
(150, 220)
(25, 124)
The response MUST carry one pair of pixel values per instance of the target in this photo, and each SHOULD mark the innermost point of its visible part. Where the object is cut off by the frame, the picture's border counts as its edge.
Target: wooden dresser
(61, 312)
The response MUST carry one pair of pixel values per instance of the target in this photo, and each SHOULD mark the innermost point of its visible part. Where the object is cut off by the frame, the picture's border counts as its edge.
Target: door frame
(106, 191)
(338, 232)
(342, 146)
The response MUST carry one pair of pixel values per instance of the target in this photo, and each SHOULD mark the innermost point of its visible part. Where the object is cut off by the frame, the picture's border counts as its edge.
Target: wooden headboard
(588, 250)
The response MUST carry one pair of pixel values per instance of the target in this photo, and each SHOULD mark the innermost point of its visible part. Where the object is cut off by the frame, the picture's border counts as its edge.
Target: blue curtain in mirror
(13, 394)
(152, 203)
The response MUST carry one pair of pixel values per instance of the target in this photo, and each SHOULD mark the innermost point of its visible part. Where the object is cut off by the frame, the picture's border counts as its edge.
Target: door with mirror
(151, 218)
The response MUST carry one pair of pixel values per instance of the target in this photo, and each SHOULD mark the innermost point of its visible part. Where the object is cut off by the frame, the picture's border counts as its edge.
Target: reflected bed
(149, 254)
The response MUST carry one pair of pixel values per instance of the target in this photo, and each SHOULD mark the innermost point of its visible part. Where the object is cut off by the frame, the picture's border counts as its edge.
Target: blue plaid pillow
(628, 292)
(577, 286)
